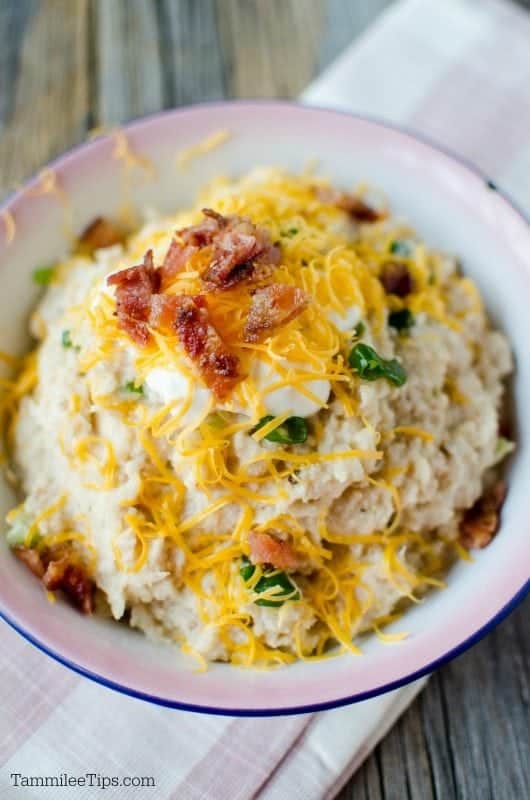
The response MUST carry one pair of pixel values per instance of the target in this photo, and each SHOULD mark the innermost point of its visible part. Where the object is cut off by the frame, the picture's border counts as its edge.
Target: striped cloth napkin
(459, 71)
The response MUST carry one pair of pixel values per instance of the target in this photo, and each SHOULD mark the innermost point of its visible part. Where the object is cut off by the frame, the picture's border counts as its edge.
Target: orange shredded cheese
(208, 144)
(9, 226)
(182, 446)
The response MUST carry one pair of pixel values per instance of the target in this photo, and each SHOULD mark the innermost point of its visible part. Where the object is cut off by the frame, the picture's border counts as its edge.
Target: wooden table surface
(69, 65)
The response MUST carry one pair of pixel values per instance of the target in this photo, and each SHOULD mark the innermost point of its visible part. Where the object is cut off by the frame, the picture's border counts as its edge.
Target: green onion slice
(359, 329)
(401, 247)
(43, 275)
(275, 579)
(370, 366)
(294, 430)
(131, 386)
(17, 534)
(401, 320)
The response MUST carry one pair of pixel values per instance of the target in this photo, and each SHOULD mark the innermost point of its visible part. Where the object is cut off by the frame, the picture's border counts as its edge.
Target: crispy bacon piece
(164, 311)
(72, 580)
(31, 558)
(239, 249)
(60, 572)
(268, 549)
(271, 307)
(480, 523)
(396, 278)
(140, 306)
(134, 289)
(189, 241)
(189, 317)
(353, 205)
(100, 233)
(175, 260)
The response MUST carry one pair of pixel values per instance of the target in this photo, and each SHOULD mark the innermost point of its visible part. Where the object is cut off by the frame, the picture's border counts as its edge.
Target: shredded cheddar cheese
(49, 184)
(412, 430)
(208, 144)
(186, 448)
(9, 226)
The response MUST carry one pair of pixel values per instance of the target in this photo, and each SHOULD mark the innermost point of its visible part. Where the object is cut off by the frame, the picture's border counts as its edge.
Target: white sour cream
(348, 321)
(170, 385)
(289, 398)
(167, 386)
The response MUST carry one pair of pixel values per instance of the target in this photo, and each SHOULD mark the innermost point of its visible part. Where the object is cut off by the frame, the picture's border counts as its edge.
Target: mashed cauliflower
(257, 474)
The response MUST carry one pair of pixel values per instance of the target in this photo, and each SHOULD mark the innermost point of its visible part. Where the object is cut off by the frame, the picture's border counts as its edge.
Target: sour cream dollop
(171, 385)
(289, 398)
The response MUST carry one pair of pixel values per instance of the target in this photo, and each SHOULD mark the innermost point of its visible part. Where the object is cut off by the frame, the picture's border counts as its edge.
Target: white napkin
(458, 70)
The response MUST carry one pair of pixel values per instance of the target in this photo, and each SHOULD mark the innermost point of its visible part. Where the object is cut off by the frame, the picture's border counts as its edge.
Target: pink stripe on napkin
(31, 688)
(471, 107)
(241, 760)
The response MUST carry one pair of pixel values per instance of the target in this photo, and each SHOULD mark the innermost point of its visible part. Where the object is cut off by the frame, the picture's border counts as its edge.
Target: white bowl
(453, 207)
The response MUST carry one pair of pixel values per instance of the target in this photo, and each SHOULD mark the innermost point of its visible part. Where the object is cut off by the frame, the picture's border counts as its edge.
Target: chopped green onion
(66, 339)
(17, 534)
(216, 421)
(294, 430)
(289, 232)
(370, 366)
(359, 330)
(503, 448)
(401, 320)
(131, 386)
(274, 579)
(401, 247)
(246, 569)
(43, 275)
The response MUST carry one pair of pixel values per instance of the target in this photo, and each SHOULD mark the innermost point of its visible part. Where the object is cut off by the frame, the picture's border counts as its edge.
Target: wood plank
(270, 46)
(194, 69)
(128, 74)
(468, 734)
(344, 22)
(13, 20)
(50, 91)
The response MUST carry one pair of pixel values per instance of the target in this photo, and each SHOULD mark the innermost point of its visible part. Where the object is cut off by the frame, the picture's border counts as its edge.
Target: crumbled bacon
(205, 232)
(239, 249)
(189, 317)
(140, 306)
(134, 289)
(58, 571)
(353, 205)
(99, 234)
(164, 311)
(72, 580)
(271, 307)
(396, 278)
(175, 260)
(480, 523)
(31, 558)
(267, 549)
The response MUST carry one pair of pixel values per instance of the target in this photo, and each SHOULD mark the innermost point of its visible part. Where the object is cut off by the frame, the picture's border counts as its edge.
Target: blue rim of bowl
(341, 701)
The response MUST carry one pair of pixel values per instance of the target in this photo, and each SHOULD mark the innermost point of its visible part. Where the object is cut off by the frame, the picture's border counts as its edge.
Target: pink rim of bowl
(336, 685)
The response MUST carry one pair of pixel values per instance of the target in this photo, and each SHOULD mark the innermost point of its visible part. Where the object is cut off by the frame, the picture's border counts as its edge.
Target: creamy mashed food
(266, 435)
